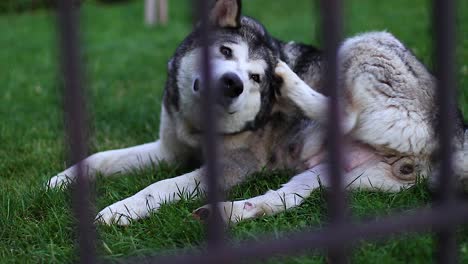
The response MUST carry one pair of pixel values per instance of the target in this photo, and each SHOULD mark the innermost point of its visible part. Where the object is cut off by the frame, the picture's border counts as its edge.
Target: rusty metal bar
(210, 136)
(444, 25)
(417, 221)
(74, 109)
(332, 21)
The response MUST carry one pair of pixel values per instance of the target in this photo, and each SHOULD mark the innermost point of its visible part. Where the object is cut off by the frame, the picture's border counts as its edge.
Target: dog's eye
(227, 52)
(255, 77)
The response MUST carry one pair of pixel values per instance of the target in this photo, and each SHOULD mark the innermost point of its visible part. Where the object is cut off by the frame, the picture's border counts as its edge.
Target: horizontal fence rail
(422, 220)
(443, 218)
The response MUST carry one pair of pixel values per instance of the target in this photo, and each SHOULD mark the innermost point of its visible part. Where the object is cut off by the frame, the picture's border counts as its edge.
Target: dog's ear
(226, 13)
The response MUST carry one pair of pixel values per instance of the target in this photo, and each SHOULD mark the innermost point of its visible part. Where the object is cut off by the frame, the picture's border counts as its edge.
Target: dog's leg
(150, 199)
(234, 169)
(373, 175)
(289, 195)
(312, 103)
(115, 161)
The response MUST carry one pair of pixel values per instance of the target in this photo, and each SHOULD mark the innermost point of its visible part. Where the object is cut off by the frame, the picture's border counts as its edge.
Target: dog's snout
(196, 86)
(231, 85)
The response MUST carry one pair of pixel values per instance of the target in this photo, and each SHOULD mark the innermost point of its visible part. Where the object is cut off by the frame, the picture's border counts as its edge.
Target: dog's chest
(283, 141)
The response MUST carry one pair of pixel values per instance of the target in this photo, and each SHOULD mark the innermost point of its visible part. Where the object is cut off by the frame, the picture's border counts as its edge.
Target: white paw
(231, 212)
(115, 214)
(290, 79)
(125, 211)
(59, 181)
(282, 69)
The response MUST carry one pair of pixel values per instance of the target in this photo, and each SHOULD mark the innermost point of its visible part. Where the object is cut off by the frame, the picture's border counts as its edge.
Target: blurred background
(125, 67)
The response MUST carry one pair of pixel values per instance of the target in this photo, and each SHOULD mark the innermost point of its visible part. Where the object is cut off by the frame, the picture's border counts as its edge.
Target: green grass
(126, 67)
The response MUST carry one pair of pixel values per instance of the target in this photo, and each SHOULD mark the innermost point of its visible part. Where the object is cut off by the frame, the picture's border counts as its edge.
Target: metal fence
(444, 217)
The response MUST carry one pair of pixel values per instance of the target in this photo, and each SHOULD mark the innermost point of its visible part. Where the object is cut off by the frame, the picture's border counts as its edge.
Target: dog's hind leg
(312, 103)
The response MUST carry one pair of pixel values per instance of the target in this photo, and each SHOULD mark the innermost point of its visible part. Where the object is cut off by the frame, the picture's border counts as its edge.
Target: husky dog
(388, 98)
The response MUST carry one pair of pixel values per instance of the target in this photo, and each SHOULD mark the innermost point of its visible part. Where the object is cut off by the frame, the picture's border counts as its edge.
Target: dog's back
(393, 93)
(389, 102)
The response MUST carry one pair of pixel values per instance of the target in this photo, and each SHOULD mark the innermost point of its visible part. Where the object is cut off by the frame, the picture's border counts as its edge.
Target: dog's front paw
(60, 181)
(282, 69)
(231, 212)
(289, 78)
(115, 214)
(125, 211)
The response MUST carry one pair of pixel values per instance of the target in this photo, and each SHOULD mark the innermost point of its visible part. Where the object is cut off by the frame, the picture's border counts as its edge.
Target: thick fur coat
(272, 110)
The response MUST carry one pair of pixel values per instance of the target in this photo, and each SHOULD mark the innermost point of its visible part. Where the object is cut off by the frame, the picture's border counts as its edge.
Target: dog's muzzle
(231, 85)
(227, 88)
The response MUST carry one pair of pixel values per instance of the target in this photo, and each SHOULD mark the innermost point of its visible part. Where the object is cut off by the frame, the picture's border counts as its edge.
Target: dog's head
(243, 57)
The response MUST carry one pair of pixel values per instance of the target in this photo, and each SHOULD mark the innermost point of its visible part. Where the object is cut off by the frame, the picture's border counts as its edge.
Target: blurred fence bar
(74, 110)
(210, 135)
(332, 16)
(444, 29)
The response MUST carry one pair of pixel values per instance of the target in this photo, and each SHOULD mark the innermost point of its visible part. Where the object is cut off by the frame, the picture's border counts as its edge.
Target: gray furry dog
(389, 110)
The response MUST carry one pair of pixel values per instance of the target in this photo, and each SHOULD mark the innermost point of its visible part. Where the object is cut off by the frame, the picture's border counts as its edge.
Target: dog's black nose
(231, 85)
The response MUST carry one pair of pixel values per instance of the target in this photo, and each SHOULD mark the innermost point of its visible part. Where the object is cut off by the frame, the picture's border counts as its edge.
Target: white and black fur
(271, 112)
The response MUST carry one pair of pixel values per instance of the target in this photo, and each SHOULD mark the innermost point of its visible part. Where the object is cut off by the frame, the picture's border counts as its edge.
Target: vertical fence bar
(75, 125)
(332, 16)
(210, 137)
(444, 25)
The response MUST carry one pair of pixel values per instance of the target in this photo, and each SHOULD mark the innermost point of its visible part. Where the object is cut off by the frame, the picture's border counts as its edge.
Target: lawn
(125, 69)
